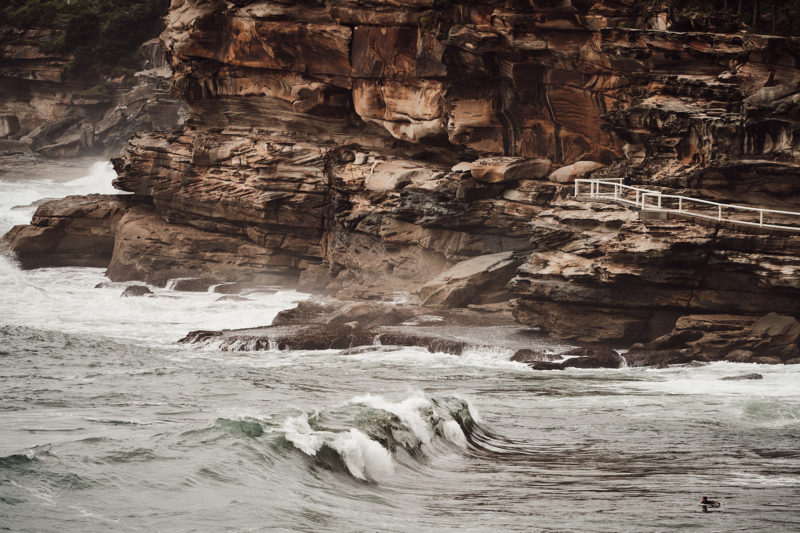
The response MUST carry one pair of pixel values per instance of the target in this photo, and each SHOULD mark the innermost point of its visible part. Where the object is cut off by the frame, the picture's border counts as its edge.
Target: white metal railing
(650, 200)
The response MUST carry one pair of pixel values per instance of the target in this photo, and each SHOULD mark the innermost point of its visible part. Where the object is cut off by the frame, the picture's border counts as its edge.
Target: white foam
(65, 299)
(364, 458)
(408, 411)
(453, 433)
(778, 380)
(97, 180)
(17, 197)
(297, 431)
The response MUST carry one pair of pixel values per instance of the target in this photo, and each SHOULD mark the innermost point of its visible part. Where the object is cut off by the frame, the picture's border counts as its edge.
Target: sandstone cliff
(364, 148)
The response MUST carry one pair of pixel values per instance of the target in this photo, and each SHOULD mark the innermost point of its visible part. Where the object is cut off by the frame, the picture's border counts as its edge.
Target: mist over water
(107, 424)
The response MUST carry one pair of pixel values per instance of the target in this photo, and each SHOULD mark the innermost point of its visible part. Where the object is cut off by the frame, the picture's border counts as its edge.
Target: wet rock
(742, 377)
(658, 358)
(739, 356)
(545, 365)
(369, 349)
(593, 357)
(135, 290)
(529, 356)
(794, 361)
(233, 298)
(72, 231)
(734, 338)
(305, 337)
(766, 360)
(193, 284)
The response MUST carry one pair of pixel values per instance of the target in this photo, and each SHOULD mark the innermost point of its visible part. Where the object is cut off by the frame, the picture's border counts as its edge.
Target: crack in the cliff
(556, 126)
(699, 273)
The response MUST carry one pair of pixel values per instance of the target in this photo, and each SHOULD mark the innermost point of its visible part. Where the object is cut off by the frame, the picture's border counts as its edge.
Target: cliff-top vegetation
(101, 35)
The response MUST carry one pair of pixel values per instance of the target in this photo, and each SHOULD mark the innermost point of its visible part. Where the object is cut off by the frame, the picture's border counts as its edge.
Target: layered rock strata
(365, 148)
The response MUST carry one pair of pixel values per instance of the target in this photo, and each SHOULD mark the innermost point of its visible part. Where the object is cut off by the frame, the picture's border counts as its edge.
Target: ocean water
(106, 424)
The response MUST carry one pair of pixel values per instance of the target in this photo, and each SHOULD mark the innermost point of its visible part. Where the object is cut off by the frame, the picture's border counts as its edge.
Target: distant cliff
(363, 148)
(68, 76)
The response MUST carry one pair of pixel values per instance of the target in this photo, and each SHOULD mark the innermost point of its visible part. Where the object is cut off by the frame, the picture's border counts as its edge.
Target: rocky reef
(426, 150)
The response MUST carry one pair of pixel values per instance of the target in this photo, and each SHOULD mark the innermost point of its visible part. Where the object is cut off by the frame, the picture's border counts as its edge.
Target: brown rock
(193, 284)
(529, 356)
(739, 356)
(502, 169)
(766, 360)
(593, 357)
(742, 377)
(470, 281)
(135, 290)
(73, 231)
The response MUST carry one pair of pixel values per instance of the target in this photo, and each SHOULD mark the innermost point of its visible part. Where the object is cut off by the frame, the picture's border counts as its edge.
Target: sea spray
(364, 458)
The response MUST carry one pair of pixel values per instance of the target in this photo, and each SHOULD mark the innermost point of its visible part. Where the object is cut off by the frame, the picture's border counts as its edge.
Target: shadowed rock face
(367, 147)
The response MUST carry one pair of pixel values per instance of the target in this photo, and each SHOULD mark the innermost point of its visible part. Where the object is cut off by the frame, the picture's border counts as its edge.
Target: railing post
(616, 190)
(576, 188)
(760, 217)
(659, 200)
(719, 214)
(680, 204)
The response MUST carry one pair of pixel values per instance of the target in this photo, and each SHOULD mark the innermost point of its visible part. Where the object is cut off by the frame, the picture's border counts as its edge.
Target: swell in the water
(369, 437)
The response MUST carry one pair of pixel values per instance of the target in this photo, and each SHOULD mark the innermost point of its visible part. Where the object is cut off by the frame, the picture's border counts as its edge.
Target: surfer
(711, 503)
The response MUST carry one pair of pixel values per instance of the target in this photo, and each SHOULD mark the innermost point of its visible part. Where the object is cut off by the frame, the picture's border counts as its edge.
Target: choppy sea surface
(106, 424)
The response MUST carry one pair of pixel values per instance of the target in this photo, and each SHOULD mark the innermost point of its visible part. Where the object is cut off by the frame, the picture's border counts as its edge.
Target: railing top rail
(613, 184)
(730, 206)
(647, 193)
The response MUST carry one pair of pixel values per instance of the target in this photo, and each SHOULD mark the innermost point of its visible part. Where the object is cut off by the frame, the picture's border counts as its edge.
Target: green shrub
(100, 34)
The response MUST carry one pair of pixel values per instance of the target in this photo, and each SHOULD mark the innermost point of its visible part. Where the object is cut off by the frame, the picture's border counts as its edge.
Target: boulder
(779, 329)
(766, 360)
(193, 284)
(135, 290)
(570, 173)
(739, 356)
(233, 298)
(470, 281)
(658, 358)
(503, 169)
(528, 356)
(593, 357)
(743, 377)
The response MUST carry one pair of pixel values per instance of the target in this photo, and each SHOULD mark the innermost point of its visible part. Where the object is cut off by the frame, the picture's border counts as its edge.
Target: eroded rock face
(73, 231)
(364, 149)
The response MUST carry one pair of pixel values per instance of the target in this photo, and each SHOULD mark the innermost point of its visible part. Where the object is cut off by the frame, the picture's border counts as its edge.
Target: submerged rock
(233, 298)
(545, 365)
(136, 290)
(743, 377)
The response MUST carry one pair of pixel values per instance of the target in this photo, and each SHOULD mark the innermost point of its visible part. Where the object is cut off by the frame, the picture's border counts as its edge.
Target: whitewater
(107, 424)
